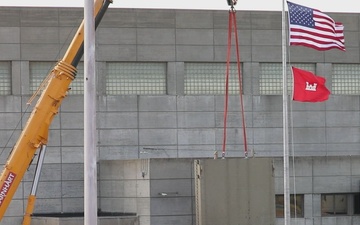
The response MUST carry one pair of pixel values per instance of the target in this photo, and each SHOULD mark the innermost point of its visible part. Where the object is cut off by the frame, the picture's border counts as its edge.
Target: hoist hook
(232, 3)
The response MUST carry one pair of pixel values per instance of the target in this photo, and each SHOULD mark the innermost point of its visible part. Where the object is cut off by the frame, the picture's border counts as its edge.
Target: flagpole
(90, 170)
(285, 124)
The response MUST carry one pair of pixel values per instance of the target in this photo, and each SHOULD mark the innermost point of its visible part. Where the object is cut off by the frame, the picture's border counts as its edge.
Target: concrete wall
(173, 125)
(234, 191)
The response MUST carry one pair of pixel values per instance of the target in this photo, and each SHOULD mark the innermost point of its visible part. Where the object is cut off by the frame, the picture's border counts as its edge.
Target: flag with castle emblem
(308, 87)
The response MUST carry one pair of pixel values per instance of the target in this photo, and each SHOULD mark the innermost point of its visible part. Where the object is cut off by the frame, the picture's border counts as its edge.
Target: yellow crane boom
(36, 131)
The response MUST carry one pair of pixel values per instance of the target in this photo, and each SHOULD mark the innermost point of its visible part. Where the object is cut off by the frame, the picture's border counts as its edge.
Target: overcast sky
(269, 5)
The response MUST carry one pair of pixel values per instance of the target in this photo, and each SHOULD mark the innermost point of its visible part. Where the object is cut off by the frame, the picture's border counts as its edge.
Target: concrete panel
(309, 135)
(342, 119)
(268, 135)
(158, 137)
(118, 189)
(339, 166)
(47, 205)
(243, 19)
(118, 103)
(350, 56)
(42, 35)
(343, 135)
(194, 37)
(119, 137)
(267, 119)
(118, 152)
(15, 208)
(171, 206)
(196, 120)
(175, 168)
(343, 103)
(151, 36)
(12, 52)
(221, 39)
(171, 188)
(157, 120)
(116, 53)
(42, 52)
(72, 171)
(341, 184)
(71, 155)
(157, 18)
(266, 20)
(234, 104)
(72, 120)
(155, 53)
(49, 172)
(220, 53)
(157, 103)
(195, 103)
(70, 17)
(266, 53)
(194, 19)
(114, 120)
(9, 17)
(309, 119)
(119, 18)
(173, 220)
(308, 55)
(237, 203)
(196, 136)
(271, 103)
(266, 37)
(234, 120)
(41, 17)
(72, 189)
(119, 169)
(10, 35)
(116, 36)
(72, 138)
(195, 53)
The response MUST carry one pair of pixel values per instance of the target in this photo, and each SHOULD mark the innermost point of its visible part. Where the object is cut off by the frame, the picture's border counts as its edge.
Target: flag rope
(232, 21)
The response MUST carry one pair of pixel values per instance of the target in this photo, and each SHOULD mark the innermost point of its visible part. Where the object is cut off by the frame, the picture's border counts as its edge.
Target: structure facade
(161, 94)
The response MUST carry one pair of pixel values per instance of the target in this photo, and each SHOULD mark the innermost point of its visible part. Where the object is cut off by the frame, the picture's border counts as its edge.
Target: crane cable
(232, 21)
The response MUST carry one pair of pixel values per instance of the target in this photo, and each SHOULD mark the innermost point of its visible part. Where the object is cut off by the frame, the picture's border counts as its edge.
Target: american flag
(312, 28)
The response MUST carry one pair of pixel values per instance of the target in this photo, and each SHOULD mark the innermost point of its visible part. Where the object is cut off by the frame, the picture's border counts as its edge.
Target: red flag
(308, 87)
(312, 28)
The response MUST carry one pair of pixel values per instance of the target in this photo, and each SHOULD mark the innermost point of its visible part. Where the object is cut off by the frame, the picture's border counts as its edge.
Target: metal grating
(5, 78)
(40, 70)
(130, 78)
(271, 77)
(210, 78)
(346, 79)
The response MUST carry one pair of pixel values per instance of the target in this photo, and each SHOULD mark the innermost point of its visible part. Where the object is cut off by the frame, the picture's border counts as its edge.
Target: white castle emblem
(310, 87)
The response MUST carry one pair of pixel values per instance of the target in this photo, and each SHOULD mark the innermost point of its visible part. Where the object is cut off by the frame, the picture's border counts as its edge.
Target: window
(5, 78)
(357, 203)
(209, 79)
(271, 77)
(346, 79)
(333, 204)
(40, 70)
(126, 78)
(296, 206)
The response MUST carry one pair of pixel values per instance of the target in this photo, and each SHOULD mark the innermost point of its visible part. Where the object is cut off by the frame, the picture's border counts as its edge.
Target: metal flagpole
(90, 171)
(285, 124)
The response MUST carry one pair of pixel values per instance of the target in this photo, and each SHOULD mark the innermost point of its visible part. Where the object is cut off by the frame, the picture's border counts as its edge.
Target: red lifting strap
(232, 21)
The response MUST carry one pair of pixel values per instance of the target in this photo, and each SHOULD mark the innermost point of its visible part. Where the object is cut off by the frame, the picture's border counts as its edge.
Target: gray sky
(268, 5)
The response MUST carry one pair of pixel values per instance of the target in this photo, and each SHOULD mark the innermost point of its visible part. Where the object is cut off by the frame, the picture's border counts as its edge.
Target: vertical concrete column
(175, 78)
(254, 72)
(171, 78)
(20, 78)
(325, 70)
(101, 73)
